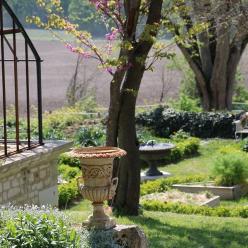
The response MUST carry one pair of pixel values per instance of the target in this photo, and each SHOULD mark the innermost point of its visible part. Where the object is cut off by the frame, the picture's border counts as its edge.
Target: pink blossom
(112, 36)
(110, 70)
(86, 55)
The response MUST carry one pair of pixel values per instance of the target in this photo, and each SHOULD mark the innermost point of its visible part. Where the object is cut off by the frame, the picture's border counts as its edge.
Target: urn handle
(113, 187)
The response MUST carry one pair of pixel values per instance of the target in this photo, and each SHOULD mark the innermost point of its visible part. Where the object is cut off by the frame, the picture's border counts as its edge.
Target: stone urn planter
(96, 183)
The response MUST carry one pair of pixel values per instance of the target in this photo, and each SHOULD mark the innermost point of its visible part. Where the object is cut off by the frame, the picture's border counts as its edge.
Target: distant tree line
(78, 11)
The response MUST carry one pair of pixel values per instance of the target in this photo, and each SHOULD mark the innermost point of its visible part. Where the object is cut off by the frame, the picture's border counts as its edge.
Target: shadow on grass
(164, 235)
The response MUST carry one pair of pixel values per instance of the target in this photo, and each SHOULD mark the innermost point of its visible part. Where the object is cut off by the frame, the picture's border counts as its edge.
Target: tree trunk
(114, 108)
(216, 92)
(128, 192)
(122, 112)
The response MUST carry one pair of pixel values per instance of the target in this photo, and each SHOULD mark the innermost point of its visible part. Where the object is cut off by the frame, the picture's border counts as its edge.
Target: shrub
(240, 106)
(220, 211)
(68, 160)
(183, 149)
(90, 136)
(161, 185)
(186, 103)
(180, 135)
(230, 169)
(68, 172)
(164, 122)
(33, 227)
(67, 193)
(241, 93)
(234, 148)
(36, 228)
(244, 145)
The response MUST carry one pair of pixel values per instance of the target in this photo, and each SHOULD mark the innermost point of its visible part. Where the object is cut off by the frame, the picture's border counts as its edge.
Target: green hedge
(67, 193)
(69, 169)
(163, 184)
(184, 148)
(221, 211)
(164, 122)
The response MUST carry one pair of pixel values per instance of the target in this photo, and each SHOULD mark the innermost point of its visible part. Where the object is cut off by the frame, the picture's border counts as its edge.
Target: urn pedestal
(96, 183)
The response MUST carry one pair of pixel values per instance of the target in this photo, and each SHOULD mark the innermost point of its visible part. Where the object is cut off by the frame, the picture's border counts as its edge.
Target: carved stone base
(99, 220)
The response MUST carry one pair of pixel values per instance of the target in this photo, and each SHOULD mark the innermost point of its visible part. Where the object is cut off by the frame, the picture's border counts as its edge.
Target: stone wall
(31, 176)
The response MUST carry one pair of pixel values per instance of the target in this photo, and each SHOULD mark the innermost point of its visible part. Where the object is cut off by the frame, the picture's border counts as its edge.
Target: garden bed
(176, 196)
(225, 193)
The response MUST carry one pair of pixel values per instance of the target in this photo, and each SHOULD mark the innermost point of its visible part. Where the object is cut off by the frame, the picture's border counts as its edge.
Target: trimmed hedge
(67, 193)
(184, 148)
(240, 211)
(164, 122)
(163, 184)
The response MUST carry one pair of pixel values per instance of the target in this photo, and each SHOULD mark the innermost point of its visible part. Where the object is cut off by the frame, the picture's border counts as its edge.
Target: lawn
(165, 229)
(180, 231)
(201, 164)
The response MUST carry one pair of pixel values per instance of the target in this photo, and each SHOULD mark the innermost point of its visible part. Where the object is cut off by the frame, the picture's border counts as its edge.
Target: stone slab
(212, 202)
(225, 193)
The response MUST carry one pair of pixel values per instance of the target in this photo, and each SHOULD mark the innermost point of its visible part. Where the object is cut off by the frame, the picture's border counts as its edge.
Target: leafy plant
(67, 193)
(230, 169)
(184, 148)
(241, 93)
(180, 135)
(68, 172)
(90, 136)
(68, 160)
(186, 103)
(36, 228)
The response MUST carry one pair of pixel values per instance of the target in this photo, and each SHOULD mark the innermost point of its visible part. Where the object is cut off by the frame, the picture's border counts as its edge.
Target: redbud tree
(131, 47)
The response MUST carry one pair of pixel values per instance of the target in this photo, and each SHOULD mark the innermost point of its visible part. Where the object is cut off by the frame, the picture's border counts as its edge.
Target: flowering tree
(133, 27)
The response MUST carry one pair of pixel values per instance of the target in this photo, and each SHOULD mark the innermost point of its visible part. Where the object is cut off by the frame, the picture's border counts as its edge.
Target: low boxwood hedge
(164, 122)
(163, 184)
(184, 149)
(221, 211)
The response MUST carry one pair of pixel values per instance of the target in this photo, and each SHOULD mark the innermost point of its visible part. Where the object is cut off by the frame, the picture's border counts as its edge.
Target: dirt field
(58, 68)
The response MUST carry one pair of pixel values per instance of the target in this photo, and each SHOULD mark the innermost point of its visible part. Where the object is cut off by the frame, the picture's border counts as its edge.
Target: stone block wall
(31, 177)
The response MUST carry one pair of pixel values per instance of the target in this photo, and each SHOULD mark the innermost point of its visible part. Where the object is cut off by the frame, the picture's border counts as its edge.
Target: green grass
(168, 230)
(243, 201)
(201, 164)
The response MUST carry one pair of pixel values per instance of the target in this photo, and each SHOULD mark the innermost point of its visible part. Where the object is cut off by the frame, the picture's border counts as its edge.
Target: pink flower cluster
(99, 3)
(113, 34)
(85, 54)
(69, 27)
(125, 67)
